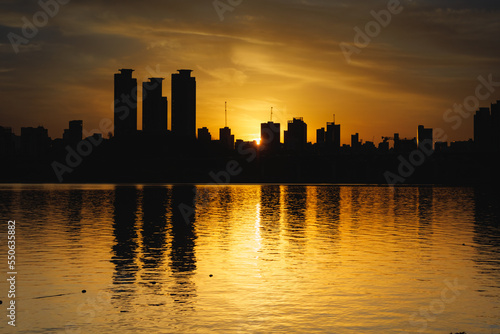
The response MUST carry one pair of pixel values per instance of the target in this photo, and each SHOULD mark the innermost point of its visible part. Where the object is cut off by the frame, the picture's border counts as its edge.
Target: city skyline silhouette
(187, 153)
(155, 114)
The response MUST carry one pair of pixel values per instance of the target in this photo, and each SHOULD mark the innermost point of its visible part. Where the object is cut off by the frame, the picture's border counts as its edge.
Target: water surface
(253, 259)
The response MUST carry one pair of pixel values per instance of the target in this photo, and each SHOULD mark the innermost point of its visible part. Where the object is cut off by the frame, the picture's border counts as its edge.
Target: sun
(257, 141)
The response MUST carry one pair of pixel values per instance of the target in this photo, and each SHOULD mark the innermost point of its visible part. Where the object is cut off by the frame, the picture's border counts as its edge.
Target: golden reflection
(243, 257)
(258, 237)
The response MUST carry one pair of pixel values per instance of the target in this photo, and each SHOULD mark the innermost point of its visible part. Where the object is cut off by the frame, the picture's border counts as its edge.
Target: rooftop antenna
(333, 118)
(225, 114)
(271, 114)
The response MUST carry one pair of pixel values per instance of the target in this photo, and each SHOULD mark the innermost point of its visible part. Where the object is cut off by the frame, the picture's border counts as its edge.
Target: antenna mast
(271, 114)
(225, 114)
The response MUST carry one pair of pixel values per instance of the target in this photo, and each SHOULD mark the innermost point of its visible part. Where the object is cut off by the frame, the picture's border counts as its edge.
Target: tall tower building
(332, 135)
(424, 138)
(184, 104)
(74, 134)
(320, 136)
(154, 107)
(125, 115)
(482, 130)
(226, 138)
(270, 135)
(355, 143)
(204, 135)
(495, 125)
(296, 134)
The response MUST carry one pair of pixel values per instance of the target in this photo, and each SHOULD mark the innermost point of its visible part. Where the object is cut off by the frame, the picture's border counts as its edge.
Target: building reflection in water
(328, 211)
(404, 207)
(425, 201)
(167, 229)
(487, 234)
(40, 210)
(6, 201)
(295, 206)
(73, 213)
(223, 203)
(182, 250)
(270, 221)
(155, 201)
(125, 233)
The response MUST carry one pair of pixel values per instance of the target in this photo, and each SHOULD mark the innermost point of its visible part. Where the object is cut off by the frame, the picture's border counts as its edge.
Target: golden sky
(255, 55)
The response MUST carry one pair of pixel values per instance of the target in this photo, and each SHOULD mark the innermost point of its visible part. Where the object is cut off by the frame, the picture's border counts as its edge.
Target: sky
(375, 67)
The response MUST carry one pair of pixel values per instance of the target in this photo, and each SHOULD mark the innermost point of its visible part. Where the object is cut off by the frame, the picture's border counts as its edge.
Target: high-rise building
(295, 137)
(355, 143)
(226, 138)
(270, 136)
(495, 125)
(125, 111)
(183, 104)
(154, 107)
(320, 136)
(74, 134)
(7, 138)
(424, 138)
(329, 137)
(404, 145)
(482, 130)
(35, 141)
(332, 135)
(204, 135)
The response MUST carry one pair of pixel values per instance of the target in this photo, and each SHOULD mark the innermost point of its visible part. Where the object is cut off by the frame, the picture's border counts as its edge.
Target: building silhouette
(7, 141)
(441, 146)
(462, 146)
(424, 138)
(295, 137)
(125, 106)
(355, 143)
(368, 146)
(487, 129)
(35, 142)
(154, 107)
(74, 134)
(495, 124)
(405, 145)
(320, 136)
(332, 135)
(270, 136)
(204, 135)
(95, 138)
(383, 146)
(329, 137)
(184, 104)
(226, 138)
